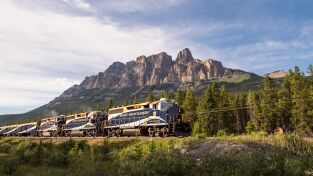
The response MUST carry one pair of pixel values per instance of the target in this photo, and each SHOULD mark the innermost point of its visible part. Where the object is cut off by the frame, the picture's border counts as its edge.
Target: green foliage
(196, 129)
(110, 105)
(189, 105)
(249, 127)
(286, 155)
(150, 98)
(235, 78)
(179, 97)
(222, 133)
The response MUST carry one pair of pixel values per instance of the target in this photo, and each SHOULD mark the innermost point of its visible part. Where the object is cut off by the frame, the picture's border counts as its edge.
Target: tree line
(282, 104)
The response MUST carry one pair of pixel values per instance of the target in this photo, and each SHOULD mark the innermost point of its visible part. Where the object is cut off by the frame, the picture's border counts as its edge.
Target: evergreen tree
(110, 105)
(179, 97)
(268, 106)
(253, 111)
(150, 98)
(189, 106)
(203, 111)
(300, 102)
(207, 109)
(235, 105)
(135, 101)
(98, 107)
(167, 94)
(284, 104)
(224, 117)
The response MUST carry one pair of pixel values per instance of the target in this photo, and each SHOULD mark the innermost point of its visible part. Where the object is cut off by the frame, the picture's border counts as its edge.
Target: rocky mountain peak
(277, 74)
(155, 69)
(184, 56)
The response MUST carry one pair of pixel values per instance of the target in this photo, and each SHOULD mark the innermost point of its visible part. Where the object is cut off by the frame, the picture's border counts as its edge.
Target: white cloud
(140, 6)
(47, 51)
(80, 4)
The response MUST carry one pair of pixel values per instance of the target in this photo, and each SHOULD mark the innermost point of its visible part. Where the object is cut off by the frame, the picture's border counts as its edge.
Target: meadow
(254, 154)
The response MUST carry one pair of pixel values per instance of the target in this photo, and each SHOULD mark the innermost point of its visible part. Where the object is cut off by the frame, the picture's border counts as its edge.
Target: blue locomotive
(158, 118)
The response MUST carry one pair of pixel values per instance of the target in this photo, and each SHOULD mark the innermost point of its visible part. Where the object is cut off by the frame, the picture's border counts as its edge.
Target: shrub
(196, 128)
(222, 133)
(201, 136)
(10, 166)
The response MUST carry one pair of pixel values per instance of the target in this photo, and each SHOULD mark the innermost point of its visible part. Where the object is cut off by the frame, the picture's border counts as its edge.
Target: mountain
(277, 74)
(155, 70)
(136, 79)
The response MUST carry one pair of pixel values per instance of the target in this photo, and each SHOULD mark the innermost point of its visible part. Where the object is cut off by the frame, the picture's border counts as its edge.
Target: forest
(285, 105)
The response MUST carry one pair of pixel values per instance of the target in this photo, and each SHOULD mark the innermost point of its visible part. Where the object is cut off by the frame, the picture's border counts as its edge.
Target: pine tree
(284, 104)
(110, 105)
(310, 113)
(189, 106)
(300, 102)
(179, 97)
(98, 107)
(253, 111)
(235, 105)
(224, 117)
(150, 98)
(203, 111)
(268, 106)
(207, 109)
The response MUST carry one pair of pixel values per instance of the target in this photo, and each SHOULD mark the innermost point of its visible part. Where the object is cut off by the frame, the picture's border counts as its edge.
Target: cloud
(127, 6)
(80, 4)
(46, 51)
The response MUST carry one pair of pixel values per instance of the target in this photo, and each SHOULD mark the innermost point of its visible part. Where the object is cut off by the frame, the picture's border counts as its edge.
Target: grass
(261, 155)
(235, 78)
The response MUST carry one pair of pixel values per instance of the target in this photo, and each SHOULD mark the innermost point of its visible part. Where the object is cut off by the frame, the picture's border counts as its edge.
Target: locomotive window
(130, 107)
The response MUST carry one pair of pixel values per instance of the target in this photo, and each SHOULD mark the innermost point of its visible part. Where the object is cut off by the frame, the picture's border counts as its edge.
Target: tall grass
(286, 155)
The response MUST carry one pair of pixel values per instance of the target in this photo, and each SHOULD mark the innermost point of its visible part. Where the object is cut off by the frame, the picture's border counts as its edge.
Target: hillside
(137, 79)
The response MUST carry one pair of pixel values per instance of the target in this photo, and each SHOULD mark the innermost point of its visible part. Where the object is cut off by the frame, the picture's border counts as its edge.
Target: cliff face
(155, 70)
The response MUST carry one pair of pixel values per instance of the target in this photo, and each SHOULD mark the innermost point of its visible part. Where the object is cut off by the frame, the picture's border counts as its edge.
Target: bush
(201, 136)
(221, 133)
(196, 128)
(10, 166)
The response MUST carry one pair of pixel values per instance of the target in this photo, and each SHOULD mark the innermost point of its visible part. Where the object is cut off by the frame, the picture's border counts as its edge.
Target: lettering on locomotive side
(142, 113)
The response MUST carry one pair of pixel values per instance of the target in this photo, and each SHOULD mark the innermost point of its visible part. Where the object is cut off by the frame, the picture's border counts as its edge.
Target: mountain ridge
(155, 69)
(138, 78)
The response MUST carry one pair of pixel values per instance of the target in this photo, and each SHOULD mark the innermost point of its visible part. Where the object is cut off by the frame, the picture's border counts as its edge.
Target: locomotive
(158, 118)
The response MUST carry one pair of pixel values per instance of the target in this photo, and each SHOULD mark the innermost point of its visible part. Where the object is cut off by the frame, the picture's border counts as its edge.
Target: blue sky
(47, 46)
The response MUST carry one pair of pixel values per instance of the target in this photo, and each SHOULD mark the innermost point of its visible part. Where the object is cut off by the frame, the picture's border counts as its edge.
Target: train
(158, 118)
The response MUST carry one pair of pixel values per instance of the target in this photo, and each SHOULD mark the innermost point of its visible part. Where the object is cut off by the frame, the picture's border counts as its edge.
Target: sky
(47, 46)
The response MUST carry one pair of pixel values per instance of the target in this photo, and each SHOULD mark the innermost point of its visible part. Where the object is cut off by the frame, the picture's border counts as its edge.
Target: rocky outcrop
(155, 70)
(277, 74)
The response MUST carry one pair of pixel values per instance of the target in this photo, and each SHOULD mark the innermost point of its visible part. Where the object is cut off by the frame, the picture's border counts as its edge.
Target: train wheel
(118, 132)
(164, 132)
(150, 132)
